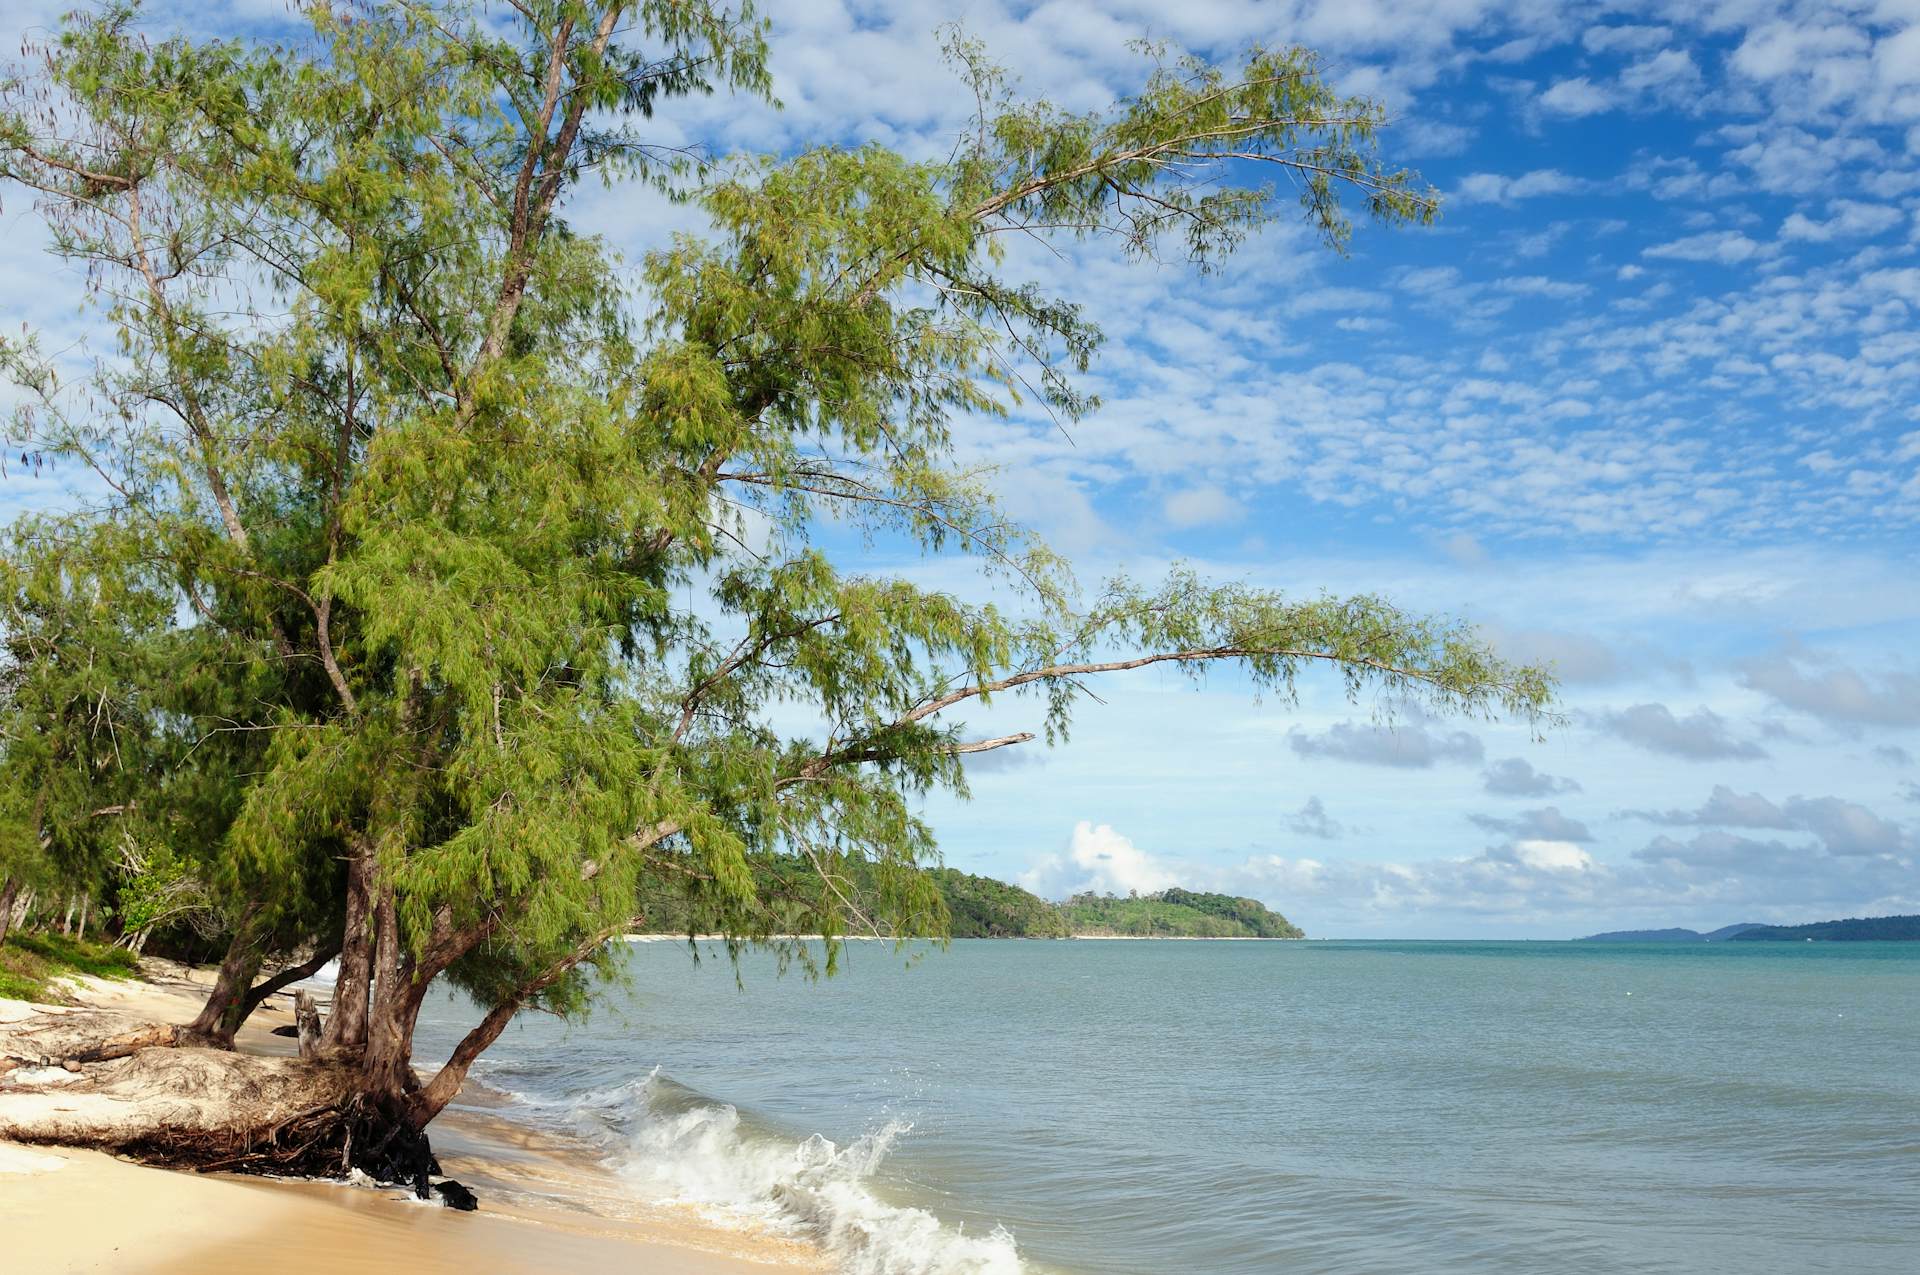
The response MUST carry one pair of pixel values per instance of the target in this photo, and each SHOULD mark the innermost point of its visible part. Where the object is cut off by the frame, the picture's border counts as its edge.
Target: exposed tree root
(92, 1079)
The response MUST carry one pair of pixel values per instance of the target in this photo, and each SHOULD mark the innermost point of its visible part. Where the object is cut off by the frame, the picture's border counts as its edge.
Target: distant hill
(1670, 936)
(983, 908)
(1851, 930)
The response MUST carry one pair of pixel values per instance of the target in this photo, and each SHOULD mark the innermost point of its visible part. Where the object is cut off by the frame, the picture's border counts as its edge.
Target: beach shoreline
(546, 1204)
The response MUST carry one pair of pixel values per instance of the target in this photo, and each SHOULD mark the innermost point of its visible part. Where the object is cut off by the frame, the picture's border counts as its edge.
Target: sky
(1645, 403)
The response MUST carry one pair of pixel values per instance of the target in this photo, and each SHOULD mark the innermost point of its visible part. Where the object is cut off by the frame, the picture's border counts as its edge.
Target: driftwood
(306, 1022)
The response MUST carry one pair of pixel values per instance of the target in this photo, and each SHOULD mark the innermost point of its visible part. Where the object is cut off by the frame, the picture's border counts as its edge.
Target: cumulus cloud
(1702, 735)
(1576, 97)
(1545, 824)
(1200, 506)
(1410, 745)
(1514, 777)
(1846, 827)
(1724, 808)
(1822, 687)
(1493, 188)
(1312, 820)
(1843, 827)
(1667, 76)
(1097, 858)
(1624, 39)
(1727, 247)
(1848, 219)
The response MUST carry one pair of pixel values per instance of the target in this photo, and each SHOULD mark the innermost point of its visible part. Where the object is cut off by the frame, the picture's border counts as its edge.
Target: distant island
(1671, 936)
(1854, 930)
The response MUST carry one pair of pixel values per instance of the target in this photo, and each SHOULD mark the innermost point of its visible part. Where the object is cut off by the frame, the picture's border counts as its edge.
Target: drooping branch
(445, 1085)
(288, 977)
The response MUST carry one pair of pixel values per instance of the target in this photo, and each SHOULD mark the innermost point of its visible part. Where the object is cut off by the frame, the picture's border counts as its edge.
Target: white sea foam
(675, 1146)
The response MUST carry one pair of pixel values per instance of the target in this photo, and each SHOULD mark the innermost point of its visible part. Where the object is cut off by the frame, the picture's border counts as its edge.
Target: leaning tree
(526, 584)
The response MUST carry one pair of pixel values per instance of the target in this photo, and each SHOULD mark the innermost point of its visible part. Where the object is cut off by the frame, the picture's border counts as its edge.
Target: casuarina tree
(520, 584)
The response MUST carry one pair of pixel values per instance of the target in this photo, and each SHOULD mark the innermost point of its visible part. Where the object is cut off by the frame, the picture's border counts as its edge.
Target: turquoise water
(1133, 1107)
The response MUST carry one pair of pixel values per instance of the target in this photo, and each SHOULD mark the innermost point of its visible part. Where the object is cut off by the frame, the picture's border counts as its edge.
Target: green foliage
(983, 908)
(435, 546)
(1176, 913)
(30, 961)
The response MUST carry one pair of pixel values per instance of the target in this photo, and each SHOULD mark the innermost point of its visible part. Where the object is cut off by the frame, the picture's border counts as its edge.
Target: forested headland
(980, 907)
(1854, 929)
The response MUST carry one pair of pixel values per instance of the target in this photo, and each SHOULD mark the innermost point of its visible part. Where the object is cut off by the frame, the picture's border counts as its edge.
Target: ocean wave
(673, 1144)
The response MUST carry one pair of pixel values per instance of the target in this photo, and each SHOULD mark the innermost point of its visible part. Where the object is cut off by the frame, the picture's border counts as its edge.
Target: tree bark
(8, 892)
(346, 1029)
(396, 1004)
(432, 1099)
(226, 1006)
(288, 976)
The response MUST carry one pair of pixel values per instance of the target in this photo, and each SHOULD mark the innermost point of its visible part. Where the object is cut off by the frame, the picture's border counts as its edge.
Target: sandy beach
(546, 1205)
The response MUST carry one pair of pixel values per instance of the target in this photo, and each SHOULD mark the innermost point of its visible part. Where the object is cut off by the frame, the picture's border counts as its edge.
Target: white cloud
(1493, 188)
(1098, 858)
(1669, 76)
(1200, 507)
(1728, 247)
(1624, 39)
(1553, 856)
(1849, 219)
(1577, 97)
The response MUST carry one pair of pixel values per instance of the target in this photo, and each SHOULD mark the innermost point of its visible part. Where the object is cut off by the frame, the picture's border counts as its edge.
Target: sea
(1141, 1108)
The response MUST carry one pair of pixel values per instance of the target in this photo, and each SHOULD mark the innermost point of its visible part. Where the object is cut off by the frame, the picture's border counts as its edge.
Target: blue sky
(1645, 403)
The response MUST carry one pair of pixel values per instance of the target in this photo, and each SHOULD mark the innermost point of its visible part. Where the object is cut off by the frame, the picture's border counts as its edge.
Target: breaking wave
(674, 1144)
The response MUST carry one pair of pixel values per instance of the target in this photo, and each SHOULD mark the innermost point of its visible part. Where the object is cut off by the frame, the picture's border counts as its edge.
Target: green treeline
(1853, 929)
(983, 908)
(1176, 913)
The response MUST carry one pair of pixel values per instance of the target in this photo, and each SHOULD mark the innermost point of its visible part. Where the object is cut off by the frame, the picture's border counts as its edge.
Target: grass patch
(29, 962)
(101, 959)
(23, 976)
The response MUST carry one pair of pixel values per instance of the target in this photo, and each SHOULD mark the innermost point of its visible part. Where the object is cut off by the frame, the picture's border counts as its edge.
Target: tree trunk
(8, 892)
(346, 1029)
(80, 935)
(227, 1006)
(397, 996)
(445, 1085)
(288, 976)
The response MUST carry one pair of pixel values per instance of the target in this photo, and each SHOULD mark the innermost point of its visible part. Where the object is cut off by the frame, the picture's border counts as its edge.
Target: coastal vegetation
(32, 963)
(977, 907)
(448, 591)
(1875, 928)
(1853, 929)
(1673, 935)
(1176, 913)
